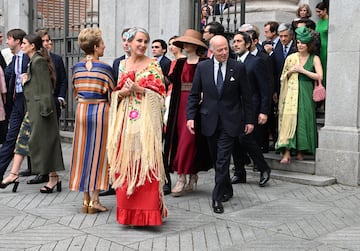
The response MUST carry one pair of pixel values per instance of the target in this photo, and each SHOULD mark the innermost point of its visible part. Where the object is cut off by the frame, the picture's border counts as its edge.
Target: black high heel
(46, 189)
(15, 182)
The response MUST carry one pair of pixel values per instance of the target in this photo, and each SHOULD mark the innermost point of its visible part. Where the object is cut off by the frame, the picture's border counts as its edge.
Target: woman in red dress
(135, 136)
(183, 152)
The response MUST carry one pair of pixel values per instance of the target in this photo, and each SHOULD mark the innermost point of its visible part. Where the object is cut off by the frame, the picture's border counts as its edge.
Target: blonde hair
(88, 38)
(308, 10)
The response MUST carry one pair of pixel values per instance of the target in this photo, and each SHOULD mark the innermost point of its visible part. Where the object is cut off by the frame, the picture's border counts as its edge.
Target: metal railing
(231, 18)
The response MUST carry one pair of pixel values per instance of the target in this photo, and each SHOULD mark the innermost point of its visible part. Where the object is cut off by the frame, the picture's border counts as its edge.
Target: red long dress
(184, 161)
(135, 149)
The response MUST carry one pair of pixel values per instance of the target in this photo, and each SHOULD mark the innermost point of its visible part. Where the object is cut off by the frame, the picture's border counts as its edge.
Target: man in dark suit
(59, 93)
(125, 47)
(159, 50)
(220, 7)
(116, 64)
(257, 77)
(15, 97)
(262, 133)
(222, 86)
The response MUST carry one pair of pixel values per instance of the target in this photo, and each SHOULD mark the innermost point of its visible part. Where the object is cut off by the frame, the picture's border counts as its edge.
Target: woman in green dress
(322, 27)
(297, 121)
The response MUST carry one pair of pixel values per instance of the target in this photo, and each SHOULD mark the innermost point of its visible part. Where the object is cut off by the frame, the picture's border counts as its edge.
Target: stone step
(296, 177)
(301, 172)
(305, 166)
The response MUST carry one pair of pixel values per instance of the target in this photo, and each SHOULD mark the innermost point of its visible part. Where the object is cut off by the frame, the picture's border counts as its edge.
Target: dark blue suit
(217, 9)
(262, 133)
(16, 106)
(257, 76)
(222, 115)
(61, 80)
(165, 64)
(116, 64)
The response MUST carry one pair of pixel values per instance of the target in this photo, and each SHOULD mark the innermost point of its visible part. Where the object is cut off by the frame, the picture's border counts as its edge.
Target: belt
(91, 100)
(186, 86)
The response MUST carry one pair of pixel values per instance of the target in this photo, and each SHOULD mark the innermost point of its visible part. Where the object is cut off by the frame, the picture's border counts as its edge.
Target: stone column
(339, 141)
(16, 14)
(161, 18)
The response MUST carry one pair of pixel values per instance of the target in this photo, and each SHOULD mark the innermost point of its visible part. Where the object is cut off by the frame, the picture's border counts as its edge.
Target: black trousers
(220, 146)
(247, 144)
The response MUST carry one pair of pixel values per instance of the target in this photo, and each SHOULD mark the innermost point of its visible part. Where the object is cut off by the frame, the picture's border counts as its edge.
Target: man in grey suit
(221, 85)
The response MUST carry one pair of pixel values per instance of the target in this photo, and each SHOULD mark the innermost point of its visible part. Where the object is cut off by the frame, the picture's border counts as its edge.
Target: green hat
(303, 35)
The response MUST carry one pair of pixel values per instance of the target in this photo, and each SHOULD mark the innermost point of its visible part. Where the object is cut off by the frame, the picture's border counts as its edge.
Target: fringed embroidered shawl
(135, 131)
(288, 101)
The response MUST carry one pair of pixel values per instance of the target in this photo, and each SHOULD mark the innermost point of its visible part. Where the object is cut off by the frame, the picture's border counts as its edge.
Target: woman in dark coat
(39, 133)
(183, 152)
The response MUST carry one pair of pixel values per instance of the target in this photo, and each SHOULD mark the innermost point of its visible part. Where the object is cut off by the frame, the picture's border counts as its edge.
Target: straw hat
(191, 37)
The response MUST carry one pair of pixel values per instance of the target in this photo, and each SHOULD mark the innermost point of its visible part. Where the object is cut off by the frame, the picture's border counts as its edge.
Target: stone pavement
(281, 216)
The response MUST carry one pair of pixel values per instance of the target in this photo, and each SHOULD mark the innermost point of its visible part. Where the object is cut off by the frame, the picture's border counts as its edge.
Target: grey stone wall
(339, 142)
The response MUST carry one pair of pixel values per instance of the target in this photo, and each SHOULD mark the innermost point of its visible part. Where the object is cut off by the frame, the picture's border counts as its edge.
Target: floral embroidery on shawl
(135, 131)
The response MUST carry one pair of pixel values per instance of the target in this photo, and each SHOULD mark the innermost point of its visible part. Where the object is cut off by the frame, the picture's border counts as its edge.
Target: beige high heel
(85, 207)
(95, 206)
(192, 185)
(179, 188)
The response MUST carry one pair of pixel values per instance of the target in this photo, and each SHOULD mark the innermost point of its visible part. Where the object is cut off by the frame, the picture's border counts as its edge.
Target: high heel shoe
(46, 189)
(179, 188)
(15, 182)
(95, 206)
(85, 207)
(192, 185)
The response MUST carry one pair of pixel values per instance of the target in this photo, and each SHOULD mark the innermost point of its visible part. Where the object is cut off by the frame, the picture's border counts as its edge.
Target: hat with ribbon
(190, 37)
(303, 35)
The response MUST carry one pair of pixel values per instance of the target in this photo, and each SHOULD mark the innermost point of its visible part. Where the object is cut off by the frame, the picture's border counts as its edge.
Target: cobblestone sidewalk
(281, 216)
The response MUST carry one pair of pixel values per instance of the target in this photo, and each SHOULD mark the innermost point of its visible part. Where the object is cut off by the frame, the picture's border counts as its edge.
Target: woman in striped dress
(93, 82)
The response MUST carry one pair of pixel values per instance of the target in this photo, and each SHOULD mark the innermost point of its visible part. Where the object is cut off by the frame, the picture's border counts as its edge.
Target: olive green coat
(44, 141)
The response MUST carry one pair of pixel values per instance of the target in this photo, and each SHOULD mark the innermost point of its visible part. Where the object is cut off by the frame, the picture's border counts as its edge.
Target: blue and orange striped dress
(89, 164)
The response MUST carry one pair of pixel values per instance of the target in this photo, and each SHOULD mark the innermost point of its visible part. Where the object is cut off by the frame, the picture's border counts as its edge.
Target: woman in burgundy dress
(184, 153)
